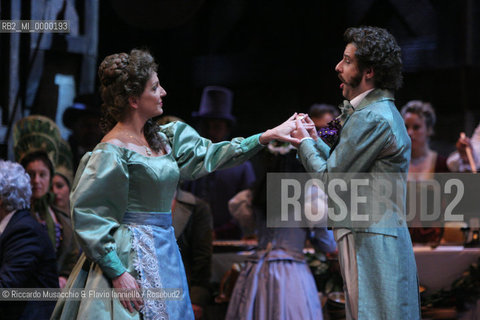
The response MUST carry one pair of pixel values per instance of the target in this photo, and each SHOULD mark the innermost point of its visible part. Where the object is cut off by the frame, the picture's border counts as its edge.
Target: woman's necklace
(148, 151)
(420, 159)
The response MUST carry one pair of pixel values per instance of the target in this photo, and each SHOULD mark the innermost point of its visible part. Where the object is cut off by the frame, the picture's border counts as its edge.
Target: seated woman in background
(61, 189)
(420, 120)
(63, 178)
(40, 150)
(58, 223)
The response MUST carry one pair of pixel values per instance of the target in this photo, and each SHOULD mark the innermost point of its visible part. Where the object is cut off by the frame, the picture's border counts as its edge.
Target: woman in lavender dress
(276, 282)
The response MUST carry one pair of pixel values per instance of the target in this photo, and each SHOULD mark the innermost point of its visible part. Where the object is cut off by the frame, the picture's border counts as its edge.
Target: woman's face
(61, 190)
(150, 102)
(417, 129)
(39, 178)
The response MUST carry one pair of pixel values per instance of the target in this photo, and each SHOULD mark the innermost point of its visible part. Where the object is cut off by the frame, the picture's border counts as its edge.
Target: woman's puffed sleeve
(99, 200)
(197, 156)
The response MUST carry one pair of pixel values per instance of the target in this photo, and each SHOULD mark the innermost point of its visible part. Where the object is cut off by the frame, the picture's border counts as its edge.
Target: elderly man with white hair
(27, 257)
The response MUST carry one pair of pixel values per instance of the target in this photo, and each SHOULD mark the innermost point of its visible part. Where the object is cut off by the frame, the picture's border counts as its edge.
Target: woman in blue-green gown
(122, 194)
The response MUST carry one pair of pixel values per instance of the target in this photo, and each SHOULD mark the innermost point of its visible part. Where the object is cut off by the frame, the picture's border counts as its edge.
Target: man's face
(349, 73)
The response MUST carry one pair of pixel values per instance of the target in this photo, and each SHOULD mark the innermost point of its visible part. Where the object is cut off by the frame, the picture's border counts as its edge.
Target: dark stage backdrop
(279, 56)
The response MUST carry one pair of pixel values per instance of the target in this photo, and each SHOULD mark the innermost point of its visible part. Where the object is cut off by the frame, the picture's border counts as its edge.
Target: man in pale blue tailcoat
(377, 260)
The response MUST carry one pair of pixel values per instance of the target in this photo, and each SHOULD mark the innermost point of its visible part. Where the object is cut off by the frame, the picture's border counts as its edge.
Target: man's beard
(355, 82)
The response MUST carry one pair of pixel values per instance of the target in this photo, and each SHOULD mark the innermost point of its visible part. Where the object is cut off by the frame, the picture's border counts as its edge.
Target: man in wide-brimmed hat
(215, 122)
(215, 119)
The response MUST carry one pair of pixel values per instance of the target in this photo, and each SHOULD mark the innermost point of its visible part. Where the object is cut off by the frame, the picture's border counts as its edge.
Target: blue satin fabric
(159, 219)
(168, 258)
(374, 140)
(119, 195)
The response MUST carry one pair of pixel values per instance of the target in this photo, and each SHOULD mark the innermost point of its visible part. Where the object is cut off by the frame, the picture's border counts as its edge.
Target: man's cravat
(347, 109)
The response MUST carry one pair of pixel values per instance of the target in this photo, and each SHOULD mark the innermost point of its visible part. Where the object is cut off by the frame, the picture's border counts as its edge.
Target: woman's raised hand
(282, 132)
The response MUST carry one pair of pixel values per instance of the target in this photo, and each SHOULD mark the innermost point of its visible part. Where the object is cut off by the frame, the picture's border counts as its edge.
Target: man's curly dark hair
(377, 48)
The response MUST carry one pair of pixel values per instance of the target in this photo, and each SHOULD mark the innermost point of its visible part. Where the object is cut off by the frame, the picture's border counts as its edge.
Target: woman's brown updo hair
(122, 76)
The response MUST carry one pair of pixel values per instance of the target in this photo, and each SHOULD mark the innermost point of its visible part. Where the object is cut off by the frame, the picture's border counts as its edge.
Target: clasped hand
(297, 127)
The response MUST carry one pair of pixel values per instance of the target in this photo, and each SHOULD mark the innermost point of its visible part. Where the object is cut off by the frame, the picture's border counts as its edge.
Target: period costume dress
(379, 257)
(276, 283)
(121, 203)
(39, 133)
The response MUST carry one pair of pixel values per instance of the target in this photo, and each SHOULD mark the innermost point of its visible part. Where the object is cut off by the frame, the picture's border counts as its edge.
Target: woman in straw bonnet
(40, 149)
